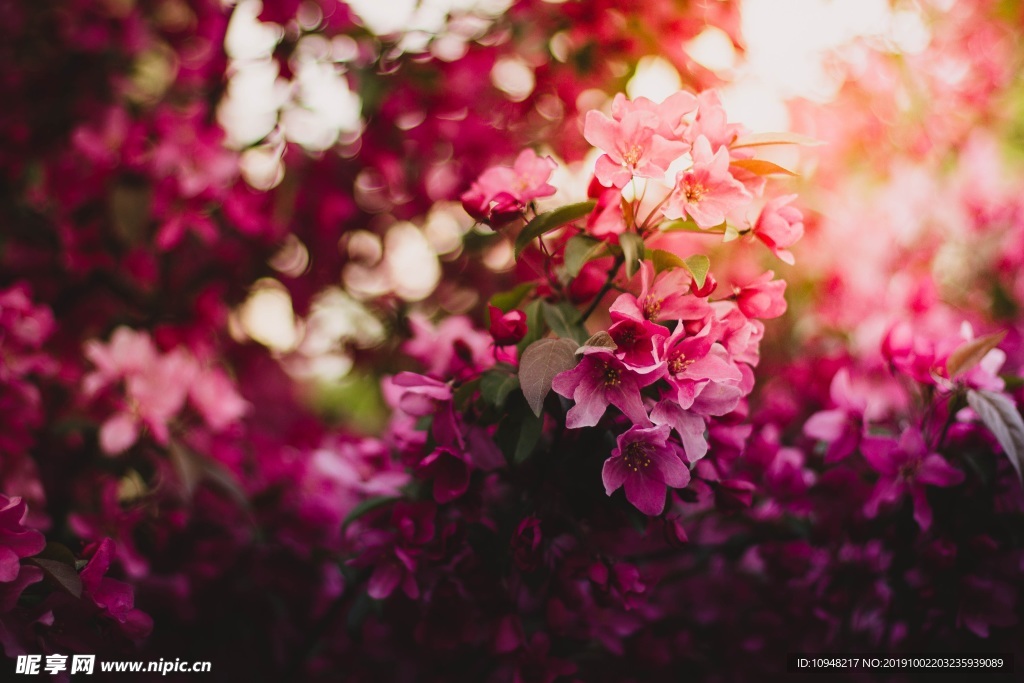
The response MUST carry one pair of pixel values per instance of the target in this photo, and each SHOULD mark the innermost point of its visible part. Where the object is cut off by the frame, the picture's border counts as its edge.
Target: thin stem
(605, 288)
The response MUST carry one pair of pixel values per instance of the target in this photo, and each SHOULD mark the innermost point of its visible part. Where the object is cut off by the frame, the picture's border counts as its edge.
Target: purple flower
(906, 467)
(843, 425)
(646, 463)
(598, 380)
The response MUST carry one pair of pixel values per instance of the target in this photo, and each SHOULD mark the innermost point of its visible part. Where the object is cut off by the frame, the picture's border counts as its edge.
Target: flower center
(652, 307)
(631, 158)
(636, 456)
(694, 192)
(611, 376)
(678, 363)
(908, 470)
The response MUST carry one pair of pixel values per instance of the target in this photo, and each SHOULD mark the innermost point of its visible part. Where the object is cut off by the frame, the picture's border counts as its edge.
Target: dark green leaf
(63, 576)
(536, 328)
(506, 301)
(551, 220)
(633, 249)
(368, 505)
(539, 364)
(58, 552)
(579, 250)
(563, 319)
(496, 384)
(529, 434)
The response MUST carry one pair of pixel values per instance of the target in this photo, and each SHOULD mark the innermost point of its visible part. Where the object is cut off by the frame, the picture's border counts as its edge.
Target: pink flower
(707, 193)
(216, 399)
(843, 425)
(454, 349)
(501, 192)
(598, 380)
(606, 219)
(631, 147)
(687, 424)
(666, 299)
(671, 112)
(712, 122)
(696, 361)
(763, 297)
(780, 226)
(906, 467)
(507, 328)
(645, 463)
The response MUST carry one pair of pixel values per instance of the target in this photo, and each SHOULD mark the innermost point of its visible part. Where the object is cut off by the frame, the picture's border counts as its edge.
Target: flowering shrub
(476, 341)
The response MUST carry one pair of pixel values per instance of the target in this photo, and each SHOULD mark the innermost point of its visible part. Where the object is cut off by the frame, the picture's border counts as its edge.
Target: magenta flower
(640, 343)
(906, 467)
(598, 380)
(645, 463)
(707, 193)
(450, 473)
(115, 598)
(631, 147)
(16, 540)
(780, 226)
(507, 328)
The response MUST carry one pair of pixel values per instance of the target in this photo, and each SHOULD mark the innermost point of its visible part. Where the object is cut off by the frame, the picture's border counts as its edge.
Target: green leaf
(698, 265)
(536, 328)
(759, 139)
(506, 301)
(665, 260)
(633, 249)
(578, 251)
(1000, 415)
(529, 434)
(59, 573)
(368, 505)
(551, 220)
(539, 364)
(496, 384)
(969, 354)
(58, 552)
(193, 469)
(761, 167)
(681, 225)
(563, 319)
